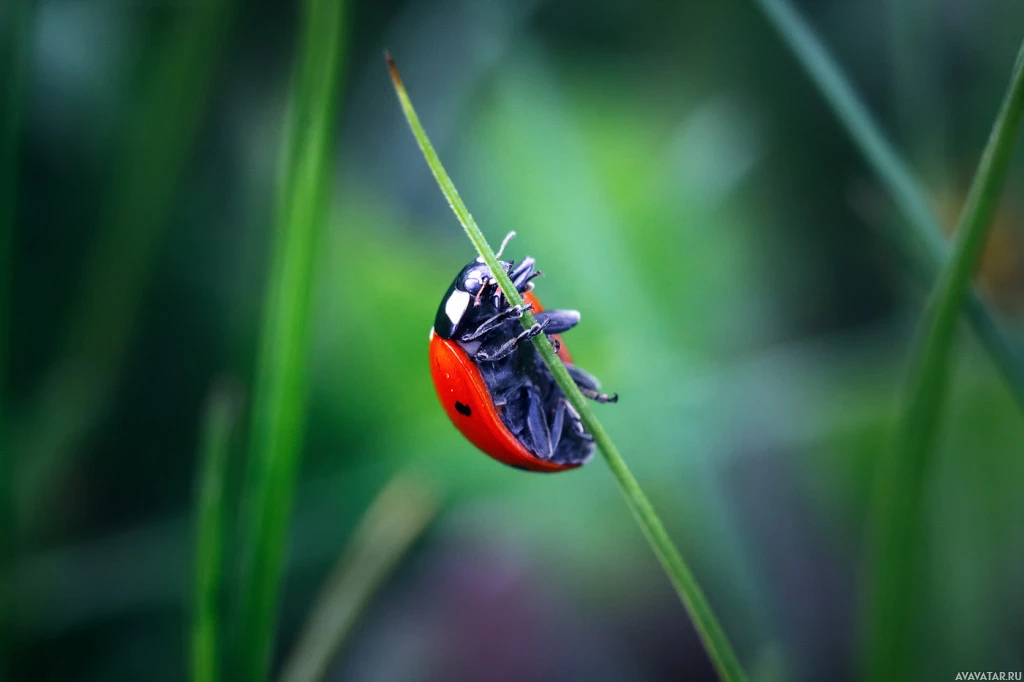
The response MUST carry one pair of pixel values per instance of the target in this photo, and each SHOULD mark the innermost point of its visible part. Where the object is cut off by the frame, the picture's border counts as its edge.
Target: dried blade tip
(395, 77)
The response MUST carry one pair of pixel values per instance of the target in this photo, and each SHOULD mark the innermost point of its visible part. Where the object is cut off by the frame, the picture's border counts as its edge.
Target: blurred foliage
(701, 190)
(392, 523)
(14, 31)
(898, 511)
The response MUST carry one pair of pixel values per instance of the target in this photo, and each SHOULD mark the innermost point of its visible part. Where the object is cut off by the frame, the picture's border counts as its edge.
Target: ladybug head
(474, 295)
(475, 277)
(465, 292)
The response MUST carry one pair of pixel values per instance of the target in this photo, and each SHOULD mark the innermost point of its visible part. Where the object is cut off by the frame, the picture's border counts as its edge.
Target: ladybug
(495, 388)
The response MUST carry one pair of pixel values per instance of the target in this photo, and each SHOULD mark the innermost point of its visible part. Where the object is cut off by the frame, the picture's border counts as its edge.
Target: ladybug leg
(494, 322)
(589, 385)
(541, 434)
(583, 378)
(520, 275)
(546, 436)
(523, 273)
(600, 397)
(564, 406)
(558, 321)
(506, 348)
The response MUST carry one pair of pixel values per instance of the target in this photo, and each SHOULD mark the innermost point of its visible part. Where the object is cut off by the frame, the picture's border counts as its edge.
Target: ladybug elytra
(496, 389)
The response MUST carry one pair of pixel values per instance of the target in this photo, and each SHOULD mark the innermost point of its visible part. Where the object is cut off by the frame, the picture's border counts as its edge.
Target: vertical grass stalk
(920, 237)
(279, 407)
(393, 522)
(899, 507)
(207, 629)
(712, 636)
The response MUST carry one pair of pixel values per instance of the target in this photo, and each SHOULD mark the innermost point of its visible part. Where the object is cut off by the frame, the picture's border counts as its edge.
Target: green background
(678, 180)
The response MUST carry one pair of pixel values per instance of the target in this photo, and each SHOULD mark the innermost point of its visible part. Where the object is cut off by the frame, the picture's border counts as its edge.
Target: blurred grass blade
(713, 637)
(156, 146)
(394, 521)
(919, 237)
(899, 507)
(14, 39)
(279, 404)
(218, 425)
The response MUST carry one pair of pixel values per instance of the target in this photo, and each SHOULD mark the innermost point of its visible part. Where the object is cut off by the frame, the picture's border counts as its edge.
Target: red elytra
(458, 381)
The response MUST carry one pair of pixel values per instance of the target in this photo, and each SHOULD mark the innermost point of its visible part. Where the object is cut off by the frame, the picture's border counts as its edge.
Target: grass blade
(899, 506)
(218, 425)
(14, 36)
(919, 237)
(394, 521)
(279, 407)
(713, 637)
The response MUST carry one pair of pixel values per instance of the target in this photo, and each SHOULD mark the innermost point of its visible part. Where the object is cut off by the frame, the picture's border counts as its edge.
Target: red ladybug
(496, 389)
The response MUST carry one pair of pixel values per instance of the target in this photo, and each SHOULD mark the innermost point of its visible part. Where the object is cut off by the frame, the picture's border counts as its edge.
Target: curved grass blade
(899, 505)
(279, 403)
(919, 237)
(713, 637)
(393, 522)
(218, 425)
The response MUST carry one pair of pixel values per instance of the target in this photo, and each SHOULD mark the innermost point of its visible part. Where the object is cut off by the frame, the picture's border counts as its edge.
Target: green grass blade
(279, 406)
(920, 236)
(154, 149)
(713, 637)
(218, 425)
(14, 37)
(391, 525)
(899, 507)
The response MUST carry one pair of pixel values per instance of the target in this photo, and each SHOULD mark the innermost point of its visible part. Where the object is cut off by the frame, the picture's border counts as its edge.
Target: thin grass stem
(920, 236)
(279, 402)
(713, 637)
(899, 505)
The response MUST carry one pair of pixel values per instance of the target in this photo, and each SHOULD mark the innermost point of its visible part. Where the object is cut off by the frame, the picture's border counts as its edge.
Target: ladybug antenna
(508, 238)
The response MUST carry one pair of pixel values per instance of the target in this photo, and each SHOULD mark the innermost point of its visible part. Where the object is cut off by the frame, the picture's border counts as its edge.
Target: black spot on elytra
(462, 409)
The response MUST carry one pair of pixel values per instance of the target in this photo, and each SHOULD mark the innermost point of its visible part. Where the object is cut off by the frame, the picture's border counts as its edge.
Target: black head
(475, 295)
(466, 291)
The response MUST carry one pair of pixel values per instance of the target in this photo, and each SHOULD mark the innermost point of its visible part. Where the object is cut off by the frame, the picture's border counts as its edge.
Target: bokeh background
(679, 181)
